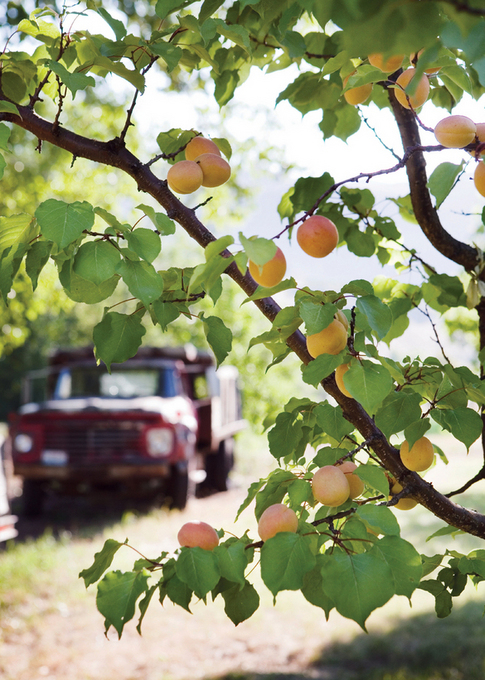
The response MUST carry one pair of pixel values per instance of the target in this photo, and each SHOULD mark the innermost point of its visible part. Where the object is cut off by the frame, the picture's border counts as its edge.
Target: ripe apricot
(390, 65)
(419, 457)
(199, 145)
(357, 95)
(184, 177)
(331, 340)
(270, 273)
(214, 168)
(420, 94)
(330, 486)
(276, 518)
(356, 484)
(406, 503)
(479, 178)
(198, 534)
(339, 374)
(455, 132)
(317, 236)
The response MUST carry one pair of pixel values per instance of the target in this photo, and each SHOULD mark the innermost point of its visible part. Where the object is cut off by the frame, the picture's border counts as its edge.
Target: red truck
(152, 426)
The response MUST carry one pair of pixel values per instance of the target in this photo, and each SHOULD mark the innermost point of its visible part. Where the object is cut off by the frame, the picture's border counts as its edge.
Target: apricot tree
(352, 557)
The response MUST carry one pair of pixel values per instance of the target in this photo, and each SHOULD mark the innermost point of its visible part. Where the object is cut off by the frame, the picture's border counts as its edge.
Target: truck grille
(96, 442)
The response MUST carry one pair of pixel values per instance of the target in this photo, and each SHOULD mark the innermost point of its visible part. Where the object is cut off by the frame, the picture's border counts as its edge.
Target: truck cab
(152, 425)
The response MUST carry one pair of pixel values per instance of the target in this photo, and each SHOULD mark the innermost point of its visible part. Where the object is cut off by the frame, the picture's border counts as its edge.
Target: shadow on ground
(419, 648)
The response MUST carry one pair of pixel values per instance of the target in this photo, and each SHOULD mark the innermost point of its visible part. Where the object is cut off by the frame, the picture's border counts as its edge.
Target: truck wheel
(177, 488)
(218, 466)
(33, 495)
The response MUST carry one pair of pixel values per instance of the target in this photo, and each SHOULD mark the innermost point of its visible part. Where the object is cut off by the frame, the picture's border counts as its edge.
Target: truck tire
(177, 487)
(218, 465)
(33, 496)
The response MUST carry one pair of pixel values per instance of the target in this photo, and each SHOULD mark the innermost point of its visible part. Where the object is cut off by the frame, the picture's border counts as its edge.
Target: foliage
(352, 558)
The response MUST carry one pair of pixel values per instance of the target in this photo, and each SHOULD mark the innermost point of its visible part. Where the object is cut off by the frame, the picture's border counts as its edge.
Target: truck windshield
(124, 383)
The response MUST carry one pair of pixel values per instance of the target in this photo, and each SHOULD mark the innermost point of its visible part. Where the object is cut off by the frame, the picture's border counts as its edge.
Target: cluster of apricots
(317, 236)
(418, 458)
(203, 166)
(360, 94)
(457, 132)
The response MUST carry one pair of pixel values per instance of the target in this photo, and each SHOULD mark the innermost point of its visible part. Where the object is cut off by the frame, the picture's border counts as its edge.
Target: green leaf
(165, 7)
(398, 410)
(208, 8)
(96, 261)
(442, 180)
(316, 316)
(179, 592)
(240, 603)
(142, 279)
(117, 26)
(145, 243)
(37, 257)
(117, 596)
(73, 81)
(313, 591)
(8, 107)
(285, 559)
(165, 313)
(164, 224)
(232, 559)
(63, 222)
(318, 369)
(4, 136)
(374, 477)
(416, 430)
(102, 560)
(378, 314)
(218, 336)
(357, 584)
(379, 518)
(80, 289)
(404, 562)
(369, 384)
(171, 54)
(117, 337)
(463, 423)
(286, 434)
(199, 569)
(259, 250)
(332, 422)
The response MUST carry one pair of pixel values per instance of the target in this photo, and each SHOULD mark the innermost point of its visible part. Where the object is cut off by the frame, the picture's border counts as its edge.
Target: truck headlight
(23, 443)
(160, 441)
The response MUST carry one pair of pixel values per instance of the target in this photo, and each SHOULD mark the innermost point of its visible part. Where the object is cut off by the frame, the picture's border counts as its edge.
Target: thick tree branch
(115, 154)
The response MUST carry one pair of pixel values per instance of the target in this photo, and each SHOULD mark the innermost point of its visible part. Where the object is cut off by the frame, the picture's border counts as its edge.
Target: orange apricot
(406, 503)
(479, 178)
(390, 65)
(420, 94)
(214, 168)
(356, 95)
(184, 177)
(199, 145)
(196, 534)
(340, 371)
(317, 236)
(330, 340)
(356, 484)
(419, 457)
(330, 486)
(455, 132)
(270, 273)
(276, 518)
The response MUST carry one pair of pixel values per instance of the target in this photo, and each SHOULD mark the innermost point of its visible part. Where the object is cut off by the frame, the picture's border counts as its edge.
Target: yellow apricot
(406, 503)
(184, 177)
(340, 316)
(214, 168)
(390, 65)
(420, 94)
(276, 518)
(455, 132)
(419, 457)
(198, 534)
(331, 340)
(357, 95)
(199, 145)
(330, 486)
(339, 375)
(479, 178)
(270, 273)
(356, 484)
(317, 236)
